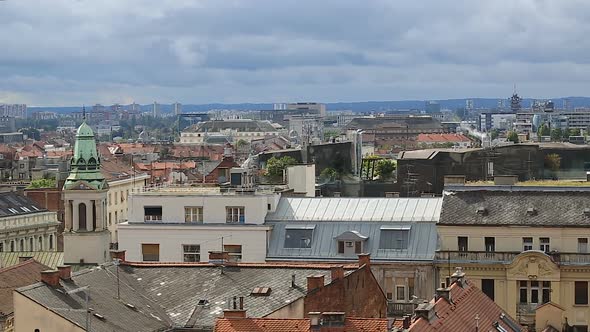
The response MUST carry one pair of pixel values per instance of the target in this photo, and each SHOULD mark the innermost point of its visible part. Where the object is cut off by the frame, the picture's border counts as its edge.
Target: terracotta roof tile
(353, 324)
(442, 138)
(467, 303)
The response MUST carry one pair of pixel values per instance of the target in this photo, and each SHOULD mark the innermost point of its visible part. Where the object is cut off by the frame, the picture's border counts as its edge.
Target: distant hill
(361, 106)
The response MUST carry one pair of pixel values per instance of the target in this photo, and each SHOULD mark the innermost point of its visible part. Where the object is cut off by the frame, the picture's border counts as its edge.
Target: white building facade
(184, 224)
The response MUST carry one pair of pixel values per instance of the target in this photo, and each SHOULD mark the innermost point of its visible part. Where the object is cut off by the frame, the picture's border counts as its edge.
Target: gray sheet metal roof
(167, 297)
(48, 258)
(421, 245)
(12, 204)
(357, 209)
(332, 217)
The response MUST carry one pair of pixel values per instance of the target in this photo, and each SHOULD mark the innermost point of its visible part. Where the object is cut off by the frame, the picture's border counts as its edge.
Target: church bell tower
(86, 237)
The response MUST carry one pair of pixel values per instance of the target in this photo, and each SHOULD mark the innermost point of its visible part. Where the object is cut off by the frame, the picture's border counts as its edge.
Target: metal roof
(357, 209)
(48, 258)
(12, 204)
(422, 242)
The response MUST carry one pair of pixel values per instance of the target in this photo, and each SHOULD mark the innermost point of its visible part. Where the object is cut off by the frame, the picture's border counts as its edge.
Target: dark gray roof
(535, 206)
(415, 122)
(12, 204)
(168, 297)
(237, 125)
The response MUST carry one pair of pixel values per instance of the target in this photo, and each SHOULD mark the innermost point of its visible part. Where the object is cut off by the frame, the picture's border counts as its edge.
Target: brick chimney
(333, 322)
(458, 277)
(445, 293)
(364, 259)
(337, 272)
(50, 277)
(407, 322)
(118, 254)
(235, 311)
(65, 272)
(315, 282)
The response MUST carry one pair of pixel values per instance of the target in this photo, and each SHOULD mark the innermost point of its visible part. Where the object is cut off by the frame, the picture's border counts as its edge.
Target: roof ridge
(20, 264)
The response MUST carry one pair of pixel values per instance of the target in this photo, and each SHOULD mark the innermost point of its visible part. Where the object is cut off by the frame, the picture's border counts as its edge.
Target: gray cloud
(67, 52)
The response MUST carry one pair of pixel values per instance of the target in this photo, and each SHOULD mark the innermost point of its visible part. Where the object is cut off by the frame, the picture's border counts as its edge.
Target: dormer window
(531, 211)
(350, 243)
(482, 211)
(394, 237)
(299, 236)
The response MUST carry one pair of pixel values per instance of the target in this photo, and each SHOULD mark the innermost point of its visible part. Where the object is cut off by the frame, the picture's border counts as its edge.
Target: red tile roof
(442, 138)
(467, 302)
(19, 275)
(353, 324)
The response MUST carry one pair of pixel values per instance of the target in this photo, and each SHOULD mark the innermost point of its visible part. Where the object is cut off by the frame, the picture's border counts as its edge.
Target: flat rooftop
(172, 190)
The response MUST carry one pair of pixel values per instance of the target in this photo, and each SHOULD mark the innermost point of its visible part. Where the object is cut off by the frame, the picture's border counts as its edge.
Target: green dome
(85, 163)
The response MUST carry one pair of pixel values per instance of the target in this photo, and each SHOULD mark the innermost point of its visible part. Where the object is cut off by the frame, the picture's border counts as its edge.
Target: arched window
(82, 216)
(50, 241)
(92, 163)
(81, 164)
(40, 243)
(31, 244)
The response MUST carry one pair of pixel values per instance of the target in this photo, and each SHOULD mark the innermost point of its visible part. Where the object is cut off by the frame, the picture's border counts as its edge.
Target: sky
(73, 52)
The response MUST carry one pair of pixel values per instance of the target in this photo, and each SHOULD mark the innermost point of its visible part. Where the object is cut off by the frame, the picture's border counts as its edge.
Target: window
(523, 292)
(487, 287)
(22, 245)
(462, 243)
(400, 293)
(50, 241)
(109, 199)
(535, 292)
(40, 243)
(546, 291)
(122, 196)
(490, 243)
(394, 238)
(11, 246)
(527, 243)
(580, 328)
(268, 207)
(358, 247)
(191, 253)
(581, 292)
(193, 214)
(544, 244)
(235, 214)
(340, 247)
(234, 251)
(110, 218)
(299, 238)
(1, 246)
(151, 213)
(31, 244)
(116, 197)
(583, 245)
(150, 252)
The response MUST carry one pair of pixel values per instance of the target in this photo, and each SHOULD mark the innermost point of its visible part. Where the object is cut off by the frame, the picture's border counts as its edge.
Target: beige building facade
(526, 249)
(117, 200)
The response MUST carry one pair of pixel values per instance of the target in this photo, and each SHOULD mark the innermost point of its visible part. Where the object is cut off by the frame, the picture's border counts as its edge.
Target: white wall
(116, 207)
(255, 206)
(301, 178)
(253, 240)
(28, 316)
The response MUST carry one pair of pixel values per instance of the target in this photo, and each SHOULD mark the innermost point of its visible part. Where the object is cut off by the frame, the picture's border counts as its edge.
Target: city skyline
(66, 53)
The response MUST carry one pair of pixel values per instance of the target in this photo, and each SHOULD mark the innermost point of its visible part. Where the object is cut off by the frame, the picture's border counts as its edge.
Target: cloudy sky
(69, 52)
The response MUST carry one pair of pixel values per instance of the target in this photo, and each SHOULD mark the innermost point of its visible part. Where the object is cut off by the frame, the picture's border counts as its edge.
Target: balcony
(507, 257)
(475, 256)
(395, 309)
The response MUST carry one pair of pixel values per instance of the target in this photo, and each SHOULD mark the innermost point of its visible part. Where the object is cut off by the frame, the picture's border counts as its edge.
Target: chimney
(445, 293)
(458, 277)
(364, 259)
(425, 311)
(315, 282)
(337, 272)
(65, 272)
(406, 322)
(50, 277)
(235, 311)
(118, 254)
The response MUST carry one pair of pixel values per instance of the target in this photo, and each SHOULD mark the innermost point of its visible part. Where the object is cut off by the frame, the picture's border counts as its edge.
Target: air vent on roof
(261, 291)
(531, 211)
(131, 306)
(99, 316)
(482, 211)
(587, 212)
(203, 302)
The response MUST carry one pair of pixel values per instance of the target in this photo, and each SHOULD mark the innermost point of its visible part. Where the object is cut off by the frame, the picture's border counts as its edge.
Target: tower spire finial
(83, 113)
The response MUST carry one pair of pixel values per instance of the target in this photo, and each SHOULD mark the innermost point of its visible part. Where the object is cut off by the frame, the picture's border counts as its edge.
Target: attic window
(587, 212)
(261, 291)
(482, 211)
(203, 302)
(531, 211)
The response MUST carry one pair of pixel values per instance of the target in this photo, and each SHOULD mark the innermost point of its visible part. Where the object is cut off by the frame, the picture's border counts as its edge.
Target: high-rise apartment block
(14, 110)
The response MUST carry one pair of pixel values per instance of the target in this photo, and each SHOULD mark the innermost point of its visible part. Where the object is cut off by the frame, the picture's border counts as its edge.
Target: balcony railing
(395, 309)
(475, 256)
(562, 258)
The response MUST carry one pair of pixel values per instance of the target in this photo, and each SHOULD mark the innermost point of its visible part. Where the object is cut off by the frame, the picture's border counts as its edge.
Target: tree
(494, 134)
(42, 183)
(275, 166)
(385, 168)
(512, 136)
(329, 174)
(330, 133)
(543, 130)
(574, 132)
(241, 143)
(556, 134)
(553, 162)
